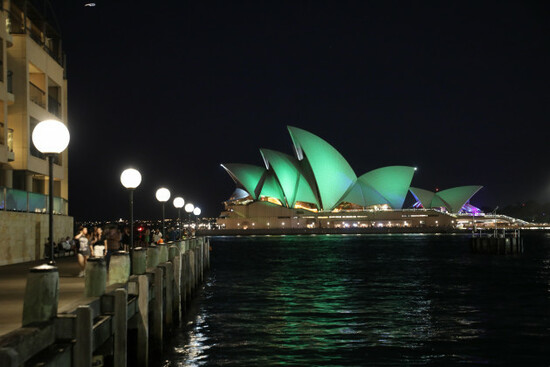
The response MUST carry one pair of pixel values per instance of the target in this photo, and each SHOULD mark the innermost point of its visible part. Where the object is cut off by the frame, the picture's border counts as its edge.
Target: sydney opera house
(317, 188)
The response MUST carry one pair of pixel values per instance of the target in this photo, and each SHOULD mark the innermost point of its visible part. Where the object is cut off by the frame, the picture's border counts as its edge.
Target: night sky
(174, 88)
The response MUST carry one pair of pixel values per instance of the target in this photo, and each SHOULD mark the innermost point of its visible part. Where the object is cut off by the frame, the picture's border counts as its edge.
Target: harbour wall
(122, 317)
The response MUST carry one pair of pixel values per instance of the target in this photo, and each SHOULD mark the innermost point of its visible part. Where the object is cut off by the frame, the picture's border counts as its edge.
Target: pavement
(13, 280)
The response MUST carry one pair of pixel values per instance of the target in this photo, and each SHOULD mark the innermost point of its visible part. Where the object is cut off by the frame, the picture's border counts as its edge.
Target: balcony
(54, 106)
(30, 202)
(37, 95)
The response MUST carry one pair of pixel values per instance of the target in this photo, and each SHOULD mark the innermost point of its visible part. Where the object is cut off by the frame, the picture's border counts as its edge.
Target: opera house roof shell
(320, 177)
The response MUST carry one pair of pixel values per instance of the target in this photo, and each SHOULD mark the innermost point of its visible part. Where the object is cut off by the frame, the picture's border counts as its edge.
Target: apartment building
(33, 88)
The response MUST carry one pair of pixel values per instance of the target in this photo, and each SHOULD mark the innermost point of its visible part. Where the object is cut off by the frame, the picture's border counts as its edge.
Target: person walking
(83, 249)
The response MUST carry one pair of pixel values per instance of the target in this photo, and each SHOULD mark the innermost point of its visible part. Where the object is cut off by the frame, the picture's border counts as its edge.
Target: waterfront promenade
(53, 318)
(13, 279)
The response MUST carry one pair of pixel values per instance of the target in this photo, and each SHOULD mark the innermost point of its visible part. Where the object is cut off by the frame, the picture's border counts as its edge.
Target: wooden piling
(83, 348)
(157, 332)
(121, 327)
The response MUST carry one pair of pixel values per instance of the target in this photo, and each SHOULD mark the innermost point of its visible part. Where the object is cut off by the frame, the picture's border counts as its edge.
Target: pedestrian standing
(83, 249)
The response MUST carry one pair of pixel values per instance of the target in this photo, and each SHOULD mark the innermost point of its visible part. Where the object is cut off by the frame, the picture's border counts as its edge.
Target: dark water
(368, 300)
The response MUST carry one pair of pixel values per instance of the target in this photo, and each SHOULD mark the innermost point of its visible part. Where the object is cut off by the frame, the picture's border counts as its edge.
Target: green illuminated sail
(287, 170)
(424, 196)
(332, 173)
(272, 188)
(456, 197)
(391, 182)
(246, 175)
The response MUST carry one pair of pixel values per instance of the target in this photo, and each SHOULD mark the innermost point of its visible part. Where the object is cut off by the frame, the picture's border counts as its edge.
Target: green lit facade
(319, 178)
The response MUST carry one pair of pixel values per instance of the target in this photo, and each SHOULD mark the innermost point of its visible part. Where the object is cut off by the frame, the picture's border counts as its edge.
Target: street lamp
(130, 179)
(189, 209)
(178, 204)
(51, 137)
(163, 194)
(197, 212)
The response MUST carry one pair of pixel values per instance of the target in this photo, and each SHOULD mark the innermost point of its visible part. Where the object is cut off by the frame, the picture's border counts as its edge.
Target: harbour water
(374, 300)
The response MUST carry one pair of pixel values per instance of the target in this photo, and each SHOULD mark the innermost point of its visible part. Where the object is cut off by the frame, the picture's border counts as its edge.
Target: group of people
(103, 242)
(100, 243)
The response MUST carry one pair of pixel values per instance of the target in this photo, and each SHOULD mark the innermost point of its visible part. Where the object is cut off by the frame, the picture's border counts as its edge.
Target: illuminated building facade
(317, 188)
(33, 88)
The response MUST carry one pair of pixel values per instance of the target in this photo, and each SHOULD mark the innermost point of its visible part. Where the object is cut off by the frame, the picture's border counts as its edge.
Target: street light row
(131, 178)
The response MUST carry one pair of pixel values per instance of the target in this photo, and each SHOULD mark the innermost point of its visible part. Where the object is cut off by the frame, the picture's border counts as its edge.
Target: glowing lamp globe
(178, 202)
(189, 207)
(197, 211)
(163, 194)
(130, 178)
(51, 137)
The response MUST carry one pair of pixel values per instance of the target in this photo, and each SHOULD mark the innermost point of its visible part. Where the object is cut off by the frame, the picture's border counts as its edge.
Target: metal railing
(10, 81)
(37, 95)
(30, 202)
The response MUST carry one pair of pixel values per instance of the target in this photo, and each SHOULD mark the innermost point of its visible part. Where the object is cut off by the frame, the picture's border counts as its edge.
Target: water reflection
(356, 300)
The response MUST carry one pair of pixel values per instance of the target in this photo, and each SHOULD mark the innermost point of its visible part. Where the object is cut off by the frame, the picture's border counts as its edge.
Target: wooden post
(168, 270)
(142, 347)
(177, 289)
(184, 279)
(157, 310)
(82, 356)
(121, 328)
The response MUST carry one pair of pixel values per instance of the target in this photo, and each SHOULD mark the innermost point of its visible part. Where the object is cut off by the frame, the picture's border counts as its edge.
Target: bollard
(173, 251)
(119, 268)
(152, 256)
(139, 261)
(120, 327)
(96, 277)
(179, 245)
(41, 294)
(163, 253)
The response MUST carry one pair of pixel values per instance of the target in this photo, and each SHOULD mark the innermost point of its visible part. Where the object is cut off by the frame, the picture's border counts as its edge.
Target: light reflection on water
(367, 300)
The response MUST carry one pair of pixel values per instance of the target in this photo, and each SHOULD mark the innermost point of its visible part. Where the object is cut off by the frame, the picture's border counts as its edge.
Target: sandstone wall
(23, 235)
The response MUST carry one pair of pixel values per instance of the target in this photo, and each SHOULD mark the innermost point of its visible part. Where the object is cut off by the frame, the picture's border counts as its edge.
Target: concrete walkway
(13, 279)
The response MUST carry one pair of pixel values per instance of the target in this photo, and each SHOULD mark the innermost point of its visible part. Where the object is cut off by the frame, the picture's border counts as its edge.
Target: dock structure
(121, 318)
(497, 242)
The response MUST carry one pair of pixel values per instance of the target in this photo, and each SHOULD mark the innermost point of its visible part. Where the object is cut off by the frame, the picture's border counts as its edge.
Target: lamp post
(178, 204)
(189, 209)
(197, 212)
(51, 137)
(130, 179)
(163, 195)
